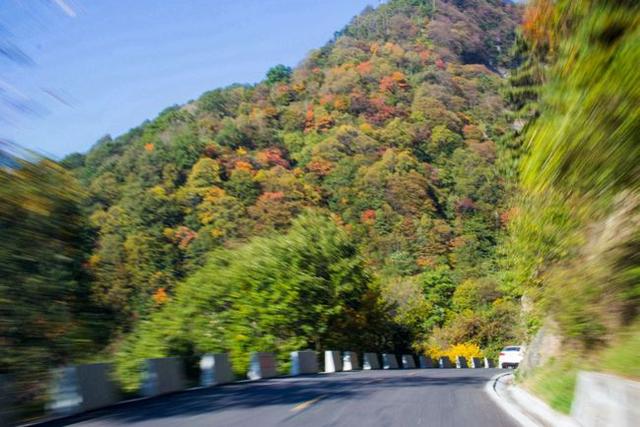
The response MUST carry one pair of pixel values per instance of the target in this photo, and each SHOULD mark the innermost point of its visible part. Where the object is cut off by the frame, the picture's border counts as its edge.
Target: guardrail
(163, 375)
(408, 361)
(350, 361)
(371, 361)
(461, 362)
(304, 362)
(332, 361)
(389, 361)
(444, 362)
(599, 400)
(262, 365)
(605, 400)
(80, 388)
(476, 363)
(215, 369)
(426, 362)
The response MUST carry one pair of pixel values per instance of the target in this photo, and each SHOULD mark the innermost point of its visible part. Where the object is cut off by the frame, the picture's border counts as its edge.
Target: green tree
(46, 316)
(278, 74)
(305, 289)
(438, 287)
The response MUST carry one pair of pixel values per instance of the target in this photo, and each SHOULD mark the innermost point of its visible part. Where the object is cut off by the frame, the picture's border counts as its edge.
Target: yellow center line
(304, 405)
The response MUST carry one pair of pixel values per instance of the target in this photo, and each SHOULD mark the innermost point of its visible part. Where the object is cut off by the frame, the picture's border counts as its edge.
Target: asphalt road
(412, 397)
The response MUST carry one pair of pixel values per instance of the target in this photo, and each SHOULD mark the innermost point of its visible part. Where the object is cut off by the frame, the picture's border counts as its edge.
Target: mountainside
(574, 233)
(390, 129)
(399, 190)
(352, 202)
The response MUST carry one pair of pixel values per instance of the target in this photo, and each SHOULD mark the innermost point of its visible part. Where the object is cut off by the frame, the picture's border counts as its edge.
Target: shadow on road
(279, 391)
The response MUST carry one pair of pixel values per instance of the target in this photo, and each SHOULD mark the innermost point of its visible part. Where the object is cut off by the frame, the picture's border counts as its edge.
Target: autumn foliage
(385, 135)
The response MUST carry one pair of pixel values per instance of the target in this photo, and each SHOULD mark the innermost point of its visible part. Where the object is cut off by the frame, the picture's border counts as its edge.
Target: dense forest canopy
(390, 130)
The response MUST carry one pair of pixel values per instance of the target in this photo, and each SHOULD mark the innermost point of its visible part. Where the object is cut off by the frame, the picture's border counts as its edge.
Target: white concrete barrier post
(605, 400)
(262, 365)
(461, 362)
(304, 362)
(163, 375)
(389, 361)
(476, 362)
(332, 361)
(408, 362)
(350, 361)
(488, 363)
(444, 362)
(371, 361)
(215, 368)
(64, 396)
(426, 362)
(81, 388)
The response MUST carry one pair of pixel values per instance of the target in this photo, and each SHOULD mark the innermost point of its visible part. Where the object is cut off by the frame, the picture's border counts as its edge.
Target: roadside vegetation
(574, 243)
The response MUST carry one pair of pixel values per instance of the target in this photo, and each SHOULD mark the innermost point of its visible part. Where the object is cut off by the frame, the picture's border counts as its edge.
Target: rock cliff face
(547, 343)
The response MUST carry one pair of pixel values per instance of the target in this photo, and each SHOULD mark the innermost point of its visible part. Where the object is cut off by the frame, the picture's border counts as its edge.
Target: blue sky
(104, 66)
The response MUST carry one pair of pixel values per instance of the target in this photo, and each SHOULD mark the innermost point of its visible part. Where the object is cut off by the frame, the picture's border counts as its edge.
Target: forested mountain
(389, 130)
(354, 201)
(437, 178)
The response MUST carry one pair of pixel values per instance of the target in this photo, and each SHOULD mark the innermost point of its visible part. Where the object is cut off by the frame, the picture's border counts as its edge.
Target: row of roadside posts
(82, 388)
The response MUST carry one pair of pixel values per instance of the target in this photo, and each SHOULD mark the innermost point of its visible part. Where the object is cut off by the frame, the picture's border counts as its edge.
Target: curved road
(407, 397)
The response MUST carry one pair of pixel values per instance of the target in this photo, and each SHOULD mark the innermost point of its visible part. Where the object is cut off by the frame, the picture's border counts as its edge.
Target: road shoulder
(527, 409)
